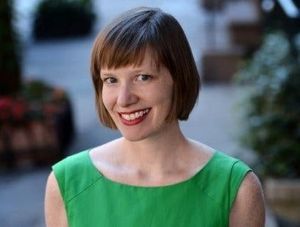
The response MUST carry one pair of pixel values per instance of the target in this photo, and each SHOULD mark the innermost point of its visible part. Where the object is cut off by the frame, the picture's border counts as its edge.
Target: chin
(134, 137)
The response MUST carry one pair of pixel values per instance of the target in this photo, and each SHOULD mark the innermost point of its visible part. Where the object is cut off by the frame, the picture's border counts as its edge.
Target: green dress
(92, 200)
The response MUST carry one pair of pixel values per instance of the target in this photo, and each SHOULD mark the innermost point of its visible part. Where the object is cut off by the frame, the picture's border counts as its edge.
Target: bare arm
(248, 208)
(55, 213)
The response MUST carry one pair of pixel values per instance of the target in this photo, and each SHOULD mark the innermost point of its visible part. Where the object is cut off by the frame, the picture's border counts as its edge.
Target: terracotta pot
(283, 197)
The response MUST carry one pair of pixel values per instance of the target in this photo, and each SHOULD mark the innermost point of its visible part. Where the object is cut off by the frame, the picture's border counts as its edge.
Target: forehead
(143, 57)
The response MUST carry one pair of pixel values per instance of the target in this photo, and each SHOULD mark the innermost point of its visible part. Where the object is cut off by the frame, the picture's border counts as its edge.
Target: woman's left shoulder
(250, 188)
(249, 208)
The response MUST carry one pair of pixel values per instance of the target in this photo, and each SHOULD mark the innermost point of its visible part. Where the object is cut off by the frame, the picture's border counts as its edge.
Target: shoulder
(239, 176)
(229, 167)
(224, 175)
(243, 188)
(68, 166)
(55, 213)
(248, 208)
(72, 159)
(221, 162)
(74, 174)
(72, 164)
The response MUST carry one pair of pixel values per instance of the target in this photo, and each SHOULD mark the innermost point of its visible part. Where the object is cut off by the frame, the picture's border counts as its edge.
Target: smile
(134, 117)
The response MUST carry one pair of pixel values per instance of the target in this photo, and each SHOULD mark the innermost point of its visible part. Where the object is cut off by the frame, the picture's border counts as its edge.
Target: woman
(145, 81)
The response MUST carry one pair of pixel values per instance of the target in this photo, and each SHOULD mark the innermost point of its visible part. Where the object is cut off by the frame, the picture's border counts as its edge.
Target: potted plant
(36, 122)
(63, 18)
(36, 125)
(272, 119)
(212, 5)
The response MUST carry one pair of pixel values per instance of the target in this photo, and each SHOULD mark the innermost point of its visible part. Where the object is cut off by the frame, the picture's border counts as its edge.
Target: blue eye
(143, 77)
(110, 80)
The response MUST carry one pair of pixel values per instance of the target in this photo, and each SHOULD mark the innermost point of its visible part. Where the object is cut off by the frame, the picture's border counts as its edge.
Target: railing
(290, 8)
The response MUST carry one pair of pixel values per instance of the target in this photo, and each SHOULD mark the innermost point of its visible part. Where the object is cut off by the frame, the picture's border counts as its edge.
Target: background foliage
(273, 106)
(63, 18)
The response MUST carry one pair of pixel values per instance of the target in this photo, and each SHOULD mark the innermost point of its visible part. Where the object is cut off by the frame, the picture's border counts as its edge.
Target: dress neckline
(175, 184)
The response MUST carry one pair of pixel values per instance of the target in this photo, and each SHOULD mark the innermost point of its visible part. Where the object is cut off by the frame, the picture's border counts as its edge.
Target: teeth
(133, 116)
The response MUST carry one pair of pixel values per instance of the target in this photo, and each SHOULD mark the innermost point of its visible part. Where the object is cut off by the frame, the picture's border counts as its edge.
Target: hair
(124, 42)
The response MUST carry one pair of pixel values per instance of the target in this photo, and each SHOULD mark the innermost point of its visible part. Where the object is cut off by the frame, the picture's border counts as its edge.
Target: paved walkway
(66, 63)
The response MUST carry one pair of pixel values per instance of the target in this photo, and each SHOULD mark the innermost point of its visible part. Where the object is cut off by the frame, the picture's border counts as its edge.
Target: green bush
(63, 18)
(273, 107)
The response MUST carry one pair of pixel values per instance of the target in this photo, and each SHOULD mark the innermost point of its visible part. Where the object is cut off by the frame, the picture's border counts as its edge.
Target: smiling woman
(139, 96)
(122, 43)
(145, 81)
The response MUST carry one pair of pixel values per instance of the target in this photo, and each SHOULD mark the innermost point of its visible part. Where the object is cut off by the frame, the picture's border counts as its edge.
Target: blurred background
(247, 52)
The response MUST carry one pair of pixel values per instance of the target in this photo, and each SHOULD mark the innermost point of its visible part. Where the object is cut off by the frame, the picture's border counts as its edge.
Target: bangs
(116, 56)
(123, 48)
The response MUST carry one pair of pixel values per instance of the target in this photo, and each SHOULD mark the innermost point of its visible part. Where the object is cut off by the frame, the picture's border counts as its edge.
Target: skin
(55, 213)
(145, 87)
(248, 208)
(129, 89)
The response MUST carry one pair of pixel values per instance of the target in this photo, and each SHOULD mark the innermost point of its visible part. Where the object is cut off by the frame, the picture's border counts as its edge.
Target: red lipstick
(135, 121)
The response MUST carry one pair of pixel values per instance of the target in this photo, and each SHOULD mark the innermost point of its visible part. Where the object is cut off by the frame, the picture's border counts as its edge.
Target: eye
(109, 80)
(143, 77)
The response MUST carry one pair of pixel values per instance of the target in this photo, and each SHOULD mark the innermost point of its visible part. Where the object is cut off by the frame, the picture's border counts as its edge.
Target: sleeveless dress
(204, 200)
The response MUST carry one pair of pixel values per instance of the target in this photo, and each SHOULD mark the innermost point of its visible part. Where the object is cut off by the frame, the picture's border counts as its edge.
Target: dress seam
(83, 190)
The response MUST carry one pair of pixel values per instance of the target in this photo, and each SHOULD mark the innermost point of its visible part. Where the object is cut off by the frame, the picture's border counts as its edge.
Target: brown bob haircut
(124, 42)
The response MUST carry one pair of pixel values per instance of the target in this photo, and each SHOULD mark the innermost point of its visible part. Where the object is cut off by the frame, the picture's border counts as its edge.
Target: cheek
(107, 99)
(163, 96)
(167, 91)
(168, 98)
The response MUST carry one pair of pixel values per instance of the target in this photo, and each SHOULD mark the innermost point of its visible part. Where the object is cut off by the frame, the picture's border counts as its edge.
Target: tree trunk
(10, 70)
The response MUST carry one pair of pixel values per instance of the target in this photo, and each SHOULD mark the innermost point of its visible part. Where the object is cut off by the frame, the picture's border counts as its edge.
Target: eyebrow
(135, 70)
(106, 75)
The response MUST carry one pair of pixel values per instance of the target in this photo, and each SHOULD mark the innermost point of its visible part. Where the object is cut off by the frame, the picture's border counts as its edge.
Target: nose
(126, 96)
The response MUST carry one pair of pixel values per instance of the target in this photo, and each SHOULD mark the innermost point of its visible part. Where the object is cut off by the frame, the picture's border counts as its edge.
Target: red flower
(18, 109)
(5, 108)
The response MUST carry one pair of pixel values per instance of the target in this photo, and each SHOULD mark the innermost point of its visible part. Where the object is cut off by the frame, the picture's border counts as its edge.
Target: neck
(158, 154)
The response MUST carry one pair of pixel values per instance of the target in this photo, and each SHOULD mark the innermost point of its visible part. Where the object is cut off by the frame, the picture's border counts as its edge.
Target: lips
(134, 117)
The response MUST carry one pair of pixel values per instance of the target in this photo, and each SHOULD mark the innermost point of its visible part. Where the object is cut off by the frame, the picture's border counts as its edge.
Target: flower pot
(283, 197)
(212, 5)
